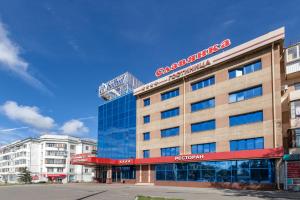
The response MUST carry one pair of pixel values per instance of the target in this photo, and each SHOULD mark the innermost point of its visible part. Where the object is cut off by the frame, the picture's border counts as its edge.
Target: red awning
(56, 176)
(235, 155)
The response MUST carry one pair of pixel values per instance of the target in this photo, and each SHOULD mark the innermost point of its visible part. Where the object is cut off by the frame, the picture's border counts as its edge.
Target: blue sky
(54, 54)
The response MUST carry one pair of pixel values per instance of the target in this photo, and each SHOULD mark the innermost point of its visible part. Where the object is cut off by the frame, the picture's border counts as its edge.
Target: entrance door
(116, 174)
(101, 174)
(145, 173)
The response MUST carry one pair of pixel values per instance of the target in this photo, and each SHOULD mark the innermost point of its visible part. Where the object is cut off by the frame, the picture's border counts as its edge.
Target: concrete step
(148, 184)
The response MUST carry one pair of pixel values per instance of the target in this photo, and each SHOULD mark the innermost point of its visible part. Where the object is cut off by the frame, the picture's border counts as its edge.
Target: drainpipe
(278, 173)
(184, 134)
(278, 163)
(273, 99)
(285, 176)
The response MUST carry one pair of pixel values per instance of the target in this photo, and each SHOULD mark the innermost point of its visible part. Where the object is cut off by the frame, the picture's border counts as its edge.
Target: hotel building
(218, 122)
(47, 158)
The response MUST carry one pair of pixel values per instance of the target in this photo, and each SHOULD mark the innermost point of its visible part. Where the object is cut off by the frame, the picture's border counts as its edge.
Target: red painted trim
(236, 155)
(56, 175)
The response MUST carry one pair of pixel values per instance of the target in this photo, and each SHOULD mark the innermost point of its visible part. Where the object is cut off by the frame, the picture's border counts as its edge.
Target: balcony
(293, 68)
(292, 61)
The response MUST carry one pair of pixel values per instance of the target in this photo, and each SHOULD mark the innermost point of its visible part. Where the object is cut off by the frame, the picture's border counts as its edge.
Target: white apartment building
(47, 158)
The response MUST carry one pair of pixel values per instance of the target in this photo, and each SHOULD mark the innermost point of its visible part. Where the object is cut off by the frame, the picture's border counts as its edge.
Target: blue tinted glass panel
(170, 94)
(246, 118)
(243, 171)
(245, 94)
(146, 136)
(125, 172)
(203, 126)
(146, 119)
(146, 153)
(247, 144)
(170, 113)
(147, 102)
(246, 69)
(170, 151)
(209, 103)
(169, 132)
(203, 83)
(117, 128)
(203, 148)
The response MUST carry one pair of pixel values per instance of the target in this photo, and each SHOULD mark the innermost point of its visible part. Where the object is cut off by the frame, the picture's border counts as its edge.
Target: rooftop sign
(193, 58)
(176, 75)
(118, 86)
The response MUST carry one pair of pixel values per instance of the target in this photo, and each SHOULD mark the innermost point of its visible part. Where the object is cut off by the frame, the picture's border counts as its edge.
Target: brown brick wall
(223, 86)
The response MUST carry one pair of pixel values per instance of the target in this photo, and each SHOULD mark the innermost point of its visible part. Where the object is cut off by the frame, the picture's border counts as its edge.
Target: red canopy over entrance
(87, 159)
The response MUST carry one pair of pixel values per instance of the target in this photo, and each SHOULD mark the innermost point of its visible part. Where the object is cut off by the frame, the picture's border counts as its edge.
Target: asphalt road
(129, 192)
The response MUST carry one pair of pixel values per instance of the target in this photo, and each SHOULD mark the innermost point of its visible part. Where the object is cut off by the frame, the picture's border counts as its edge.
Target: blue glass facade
(117, 128)
(243, 171)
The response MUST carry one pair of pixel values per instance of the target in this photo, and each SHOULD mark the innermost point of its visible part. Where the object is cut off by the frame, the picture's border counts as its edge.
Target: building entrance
(101, 174)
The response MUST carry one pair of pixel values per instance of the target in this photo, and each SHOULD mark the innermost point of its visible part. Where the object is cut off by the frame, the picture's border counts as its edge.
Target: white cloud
(13, 129)
(229, 22)
(74, 127)
(27, 115)
(10, 60)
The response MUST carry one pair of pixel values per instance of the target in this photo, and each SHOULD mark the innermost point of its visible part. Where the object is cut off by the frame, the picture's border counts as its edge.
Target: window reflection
(243, 171)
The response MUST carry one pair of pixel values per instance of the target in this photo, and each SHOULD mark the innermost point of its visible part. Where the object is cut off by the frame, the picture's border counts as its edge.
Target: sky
(54, 54)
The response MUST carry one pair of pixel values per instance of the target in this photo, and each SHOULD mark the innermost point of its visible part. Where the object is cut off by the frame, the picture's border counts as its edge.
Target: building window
(87, 148)
(293, 53)
(247, 144)
(204, 83)
(246, 69)
(147, 102)
(146, 119)
(146, 136)
(295, 109)
(297, 138)
(50, 169)
(245, 94)
(297, 86)
(169, 132)
(201, 105)
(203, 148)
(170, 151)
(146, 154)
(247, 118)
(169, 113)
(170, 94)
(60, 169)
(72, 147)
(55, 161)
(86, 171)
(203, 126)
(243, 171)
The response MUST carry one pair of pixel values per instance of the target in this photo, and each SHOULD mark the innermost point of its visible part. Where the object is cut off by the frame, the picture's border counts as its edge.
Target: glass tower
(117, 128)
(117, 118)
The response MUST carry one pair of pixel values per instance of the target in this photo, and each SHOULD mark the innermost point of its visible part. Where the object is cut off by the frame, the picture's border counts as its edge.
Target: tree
(25, 175)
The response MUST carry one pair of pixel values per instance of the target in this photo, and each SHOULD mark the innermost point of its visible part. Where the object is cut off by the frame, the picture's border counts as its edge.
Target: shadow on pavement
(262, 194)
